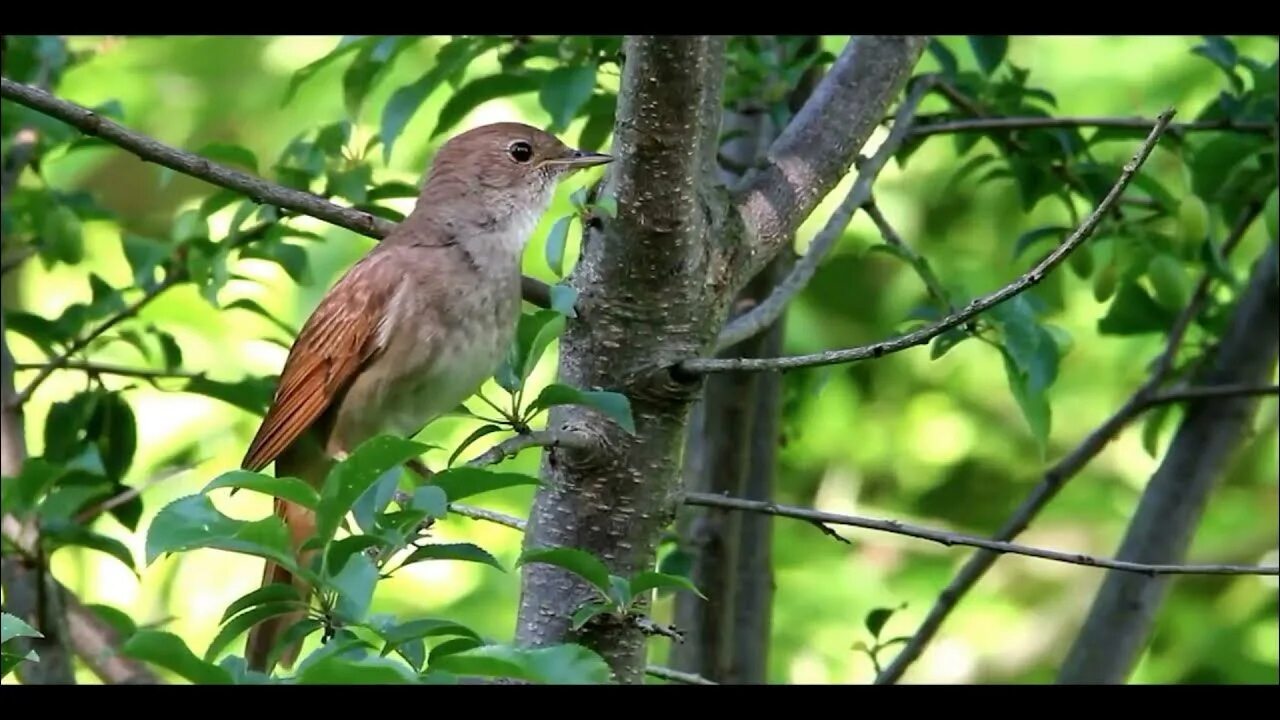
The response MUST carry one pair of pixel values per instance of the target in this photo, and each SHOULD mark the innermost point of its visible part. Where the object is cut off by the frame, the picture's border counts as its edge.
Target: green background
(938, 443)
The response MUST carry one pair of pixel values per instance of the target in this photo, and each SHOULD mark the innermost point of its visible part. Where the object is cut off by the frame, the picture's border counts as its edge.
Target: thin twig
(927, 126)
(921, 265)
(950, 539)
(771, 308)
(257, 189)
(647, 626)
(95, 368)
(679, 676)
(477, 513)
(538, 438)
(60, 361)
(1211, 391)
(115, 501)
(1066, 468)
(975, 308)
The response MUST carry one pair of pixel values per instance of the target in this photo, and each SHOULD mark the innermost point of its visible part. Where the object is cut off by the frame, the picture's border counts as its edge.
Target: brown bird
(412, 329)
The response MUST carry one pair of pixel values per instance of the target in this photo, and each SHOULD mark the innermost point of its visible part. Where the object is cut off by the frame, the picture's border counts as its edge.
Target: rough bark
(642, 303)
(727, 634)
(1123, 614)
(654, 286)
(731, 449)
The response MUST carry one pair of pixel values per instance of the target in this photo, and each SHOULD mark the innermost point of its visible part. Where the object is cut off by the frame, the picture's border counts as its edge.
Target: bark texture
(642, 304)
(1123, 614)
(654, 287)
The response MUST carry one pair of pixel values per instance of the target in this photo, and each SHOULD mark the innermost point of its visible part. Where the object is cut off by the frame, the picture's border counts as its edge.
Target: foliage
(1059, 360)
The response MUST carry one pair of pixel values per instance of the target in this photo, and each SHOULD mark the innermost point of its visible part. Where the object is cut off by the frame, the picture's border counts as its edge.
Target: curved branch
(764, 314)
(1066, 468)
(817, 148)
(261, 191)
(975, 308)
(949, 539)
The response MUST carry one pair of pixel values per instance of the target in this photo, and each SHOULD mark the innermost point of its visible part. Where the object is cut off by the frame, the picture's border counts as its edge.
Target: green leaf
(249, 394)
(453, 551)
(947, 340)
(1032, 401)
(1133, 312)
(349, 479)
(370, 62)
(168, 651)
(21, 492)
(568, 664)
(556, 238)
(61, 237)
(1151, 427)
(481, 90)
(291, 258)
(342, 550)
(376, 499)
(535, 333)
(1221, 52)
(287, 488)
(267, 594)
(116, 619)
(1213, 162)
(345, 670)
(193, 522)
(230, 154)
(614, 405)
(347, 44)
(72, 534)
(423, 628)
(1031, 347)
(351, 183)
(241, 623)
(456, 645)
(1169, 281)
(432, 500)
(355, 583)
(946, 59)
(487, 429)
(463, 482)
(876, 619)
(10, 661)
(646, 581)
(1031, 237)
(564, 300)
(564, 92)
(12, 626)
(600, 122)
(989, 51)
(574, 560)
(583, 615)
(406, 100)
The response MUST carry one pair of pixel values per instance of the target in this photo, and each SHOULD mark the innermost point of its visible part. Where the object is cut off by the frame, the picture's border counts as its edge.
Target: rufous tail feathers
(301, 523)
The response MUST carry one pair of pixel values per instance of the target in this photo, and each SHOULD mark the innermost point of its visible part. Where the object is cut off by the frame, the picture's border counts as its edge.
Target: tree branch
(1120, 620)
(763, 315)
(677, 676)
(950, 539)
(60, 361)
(819, 145)
(257, 189)
(1066, 468)
(538, 438)
(1212, 391)
(928, 126)
(975, 308)
(96, 368)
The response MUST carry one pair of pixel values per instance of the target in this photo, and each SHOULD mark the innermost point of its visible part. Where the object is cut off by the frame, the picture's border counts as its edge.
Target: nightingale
(411, 330)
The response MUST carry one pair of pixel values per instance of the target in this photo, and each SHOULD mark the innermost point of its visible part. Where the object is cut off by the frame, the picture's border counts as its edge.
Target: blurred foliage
(950, 437)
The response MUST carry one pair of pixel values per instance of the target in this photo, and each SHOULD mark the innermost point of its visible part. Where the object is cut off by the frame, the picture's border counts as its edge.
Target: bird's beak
(576, 159)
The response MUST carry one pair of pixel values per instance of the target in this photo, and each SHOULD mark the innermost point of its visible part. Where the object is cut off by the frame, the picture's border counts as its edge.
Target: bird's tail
(301, 523)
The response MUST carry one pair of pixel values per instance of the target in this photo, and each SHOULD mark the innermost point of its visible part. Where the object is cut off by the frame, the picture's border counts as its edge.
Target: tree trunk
(654, 285)
(643, 304)
(1123, 613)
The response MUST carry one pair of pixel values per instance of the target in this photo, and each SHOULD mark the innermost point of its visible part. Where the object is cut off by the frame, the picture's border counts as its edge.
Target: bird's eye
(520, 151)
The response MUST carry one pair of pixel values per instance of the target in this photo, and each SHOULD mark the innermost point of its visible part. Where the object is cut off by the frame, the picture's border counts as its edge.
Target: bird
(412, 329)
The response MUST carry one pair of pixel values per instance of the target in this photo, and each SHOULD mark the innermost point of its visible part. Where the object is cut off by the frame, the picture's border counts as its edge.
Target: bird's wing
(343, 334)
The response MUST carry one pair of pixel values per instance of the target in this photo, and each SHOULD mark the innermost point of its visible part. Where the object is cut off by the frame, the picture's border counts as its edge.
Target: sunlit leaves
(193, 522)
(560, 664)
(168, 651)
(565, 91)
